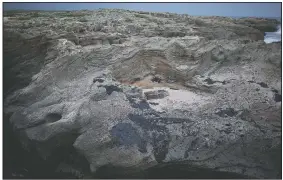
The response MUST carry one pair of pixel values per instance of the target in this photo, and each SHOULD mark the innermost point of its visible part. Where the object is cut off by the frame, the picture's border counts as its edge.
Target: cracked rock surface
(134, 93)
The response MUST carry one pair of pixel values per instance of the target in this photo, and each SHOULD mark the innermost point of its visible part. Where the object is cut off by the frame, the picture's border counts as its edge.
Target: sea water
(273, 36)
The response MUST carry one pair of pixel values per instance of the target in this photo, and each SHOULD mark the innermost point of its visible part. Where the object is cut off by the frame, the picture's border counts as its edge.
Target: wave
(271, 37)
(279, 30)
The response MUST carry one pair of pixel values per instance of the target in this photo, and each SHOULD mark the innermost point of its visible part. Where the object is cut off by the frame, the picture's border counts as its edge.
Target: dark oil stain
(127, 135)
(111, 88)
(156, 79)
(153, 103)
(262, 84)
(209, 81)
(160, 147)
(277, 97)
(142, 105)
(228, 111)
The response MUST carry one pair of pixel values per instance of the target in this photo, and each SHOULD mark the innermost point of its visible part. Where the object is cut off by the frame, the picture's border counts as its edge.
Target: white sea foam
(273, 36)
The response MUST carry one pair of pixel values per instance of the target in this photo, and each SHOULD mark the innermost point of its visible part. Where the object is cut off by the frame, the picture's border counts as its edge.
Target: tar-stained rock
(160, 145)
(226, 112)
(262, 84)
(76, 80)
(127, 135)
(111, 88)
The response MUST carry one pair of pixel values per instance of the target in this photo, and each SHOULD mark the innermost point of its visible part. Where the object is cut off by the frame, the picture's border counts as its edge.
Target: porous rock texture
(75, 85)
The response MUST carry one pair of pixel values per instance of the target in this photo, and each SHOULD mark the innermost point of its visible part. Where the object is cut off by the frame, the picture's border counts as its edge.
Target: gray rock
(73, 100)
(159, 94)
(99, 95)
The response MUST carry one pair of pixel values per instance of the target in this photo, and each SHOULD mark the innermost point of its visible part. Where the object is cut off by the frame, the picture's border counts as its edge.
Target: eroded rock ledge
(76, 95)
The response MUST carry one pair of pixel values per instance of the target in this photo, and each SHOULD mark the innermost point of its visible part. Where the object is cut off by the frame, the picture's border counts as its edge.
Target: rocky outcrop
(261, 24)
(116, 93)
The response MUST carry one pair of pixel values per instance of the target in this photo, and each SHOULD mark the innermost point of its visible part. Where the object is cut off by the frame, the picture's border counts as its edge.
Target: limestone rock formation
(76, 93)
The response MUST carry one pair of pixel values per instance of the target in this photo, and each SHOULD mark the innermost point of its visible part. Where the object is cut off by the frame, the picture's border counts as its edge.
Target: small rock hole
(53, 117)
(98, 80)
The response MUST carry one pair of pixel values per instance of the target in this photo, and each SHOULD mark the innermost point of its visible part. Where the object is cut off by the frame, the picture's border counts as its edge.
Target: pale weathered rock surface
(80, 81)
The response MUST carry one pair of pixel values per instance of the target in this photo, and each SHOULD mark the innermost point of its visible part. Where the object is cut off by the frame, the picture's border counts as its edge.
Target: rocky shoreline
(135, 93)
